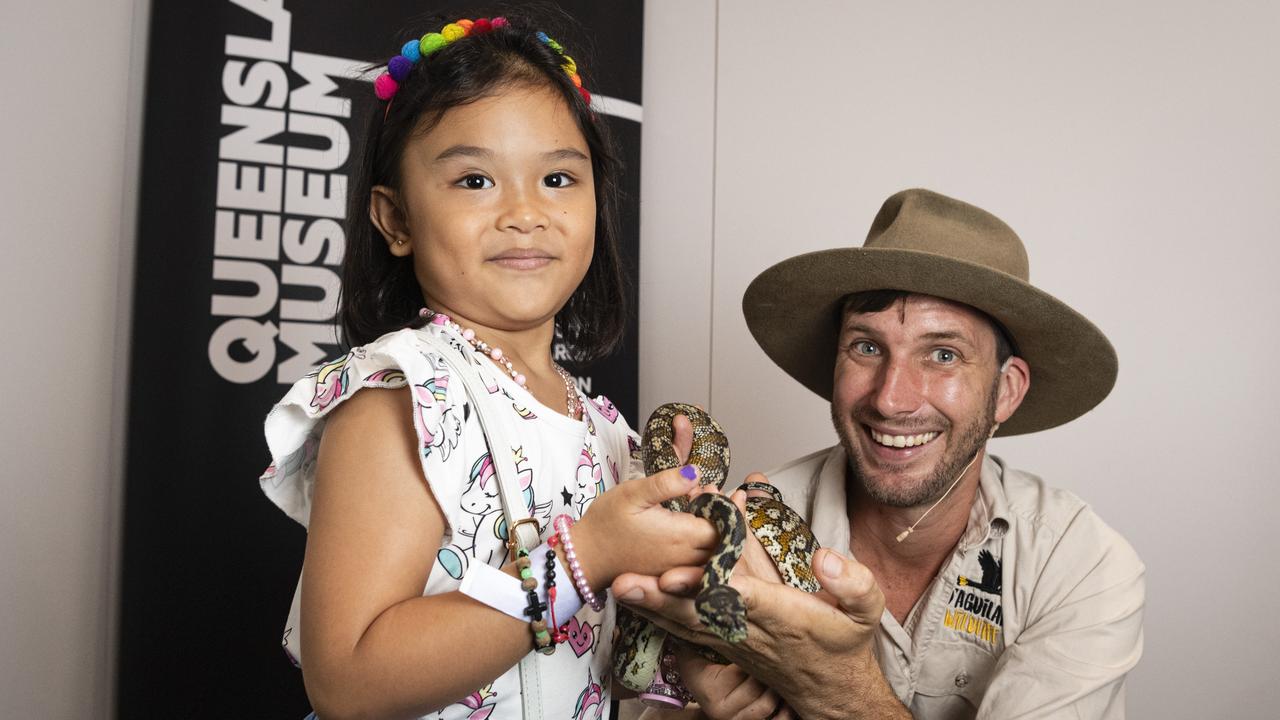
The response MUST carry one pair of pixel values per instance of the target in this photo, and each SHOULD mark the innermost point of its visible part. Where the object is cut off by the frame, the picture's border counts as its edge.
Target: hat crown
(924, 221)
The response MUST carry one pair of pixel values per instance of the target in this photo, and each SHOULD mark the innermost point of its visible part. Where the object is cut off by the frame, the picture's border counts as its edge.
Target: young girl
(482, 223)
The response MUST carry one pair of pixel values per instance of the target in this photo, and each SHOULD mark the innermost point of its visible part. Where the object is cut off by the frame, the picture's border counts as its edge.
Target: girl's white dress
(562, 466)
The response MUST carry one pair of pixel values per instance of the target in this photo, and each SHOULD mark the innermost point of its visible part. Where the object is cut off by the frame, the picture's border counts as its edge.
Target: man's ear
(391, 220)
(1011, 387)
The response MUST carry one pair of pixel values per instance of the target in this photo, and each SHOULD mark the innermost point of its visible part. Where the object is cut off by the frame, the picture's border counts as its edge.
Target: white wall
(68, 139)
(1133, 146)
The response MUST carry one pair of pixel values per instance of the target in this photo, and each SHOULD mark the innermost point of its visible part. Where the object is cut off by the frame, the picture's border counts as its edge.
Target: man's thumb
(851, 584)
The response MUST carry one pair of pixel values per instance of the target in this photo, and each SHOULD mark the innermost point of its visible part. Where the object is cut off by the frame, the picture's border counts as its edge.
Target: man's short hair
(872, 301)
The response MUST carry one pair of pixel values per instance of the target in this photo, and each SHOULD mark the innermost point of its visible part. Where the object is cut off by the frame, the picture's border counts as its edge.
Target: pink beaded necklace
(572, 405)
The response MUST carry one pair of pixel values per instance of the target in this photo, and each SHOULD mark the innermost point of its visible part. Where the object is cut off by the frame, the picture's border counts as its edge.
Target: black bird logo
(990, 574)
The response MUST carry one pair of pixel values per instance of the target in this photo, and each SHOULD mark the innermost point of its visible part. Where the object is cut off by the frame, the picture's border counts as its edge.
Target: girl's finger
(653, 490)
(750, 700)
(681, 580)
(768, 705)
(784, 712)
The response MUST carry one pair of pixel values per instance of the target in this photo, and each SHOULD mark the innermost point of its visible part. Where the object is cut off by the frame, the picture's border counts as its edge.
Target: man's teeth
(899, 441)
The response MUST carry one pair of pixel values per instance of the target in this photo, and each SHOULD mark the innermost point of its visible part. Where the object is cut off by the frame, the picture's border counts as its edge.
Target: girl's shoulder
(404, 359)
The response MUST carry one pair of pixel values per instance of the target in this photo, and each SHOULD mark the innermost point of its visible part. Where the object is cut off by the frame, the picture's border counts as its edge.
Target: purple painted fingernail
(688, 472)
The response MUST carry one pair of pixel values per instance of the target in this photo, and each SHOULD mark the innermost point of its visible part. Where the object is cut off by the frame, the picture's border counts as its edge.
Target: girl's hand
(725, 692)
(628, 530)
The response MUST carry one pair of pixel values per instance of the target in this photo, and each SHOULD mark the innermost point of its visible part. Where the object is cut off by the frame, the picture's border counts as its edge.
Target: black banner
(249, 129)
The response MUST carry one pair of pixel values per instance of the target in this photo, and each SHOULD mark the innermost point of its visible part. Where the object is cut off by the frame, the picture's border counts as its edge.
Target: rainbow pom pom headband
(386, 84)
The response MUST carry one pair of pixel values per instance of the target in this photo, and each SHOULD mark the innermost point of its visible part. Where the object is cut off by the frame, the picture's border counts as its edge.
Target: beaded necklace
(573, 407)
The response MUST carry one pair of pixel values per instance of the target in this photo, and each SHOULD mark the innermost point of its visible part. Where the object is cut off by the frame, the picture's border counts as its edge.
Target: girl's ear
(385, 212)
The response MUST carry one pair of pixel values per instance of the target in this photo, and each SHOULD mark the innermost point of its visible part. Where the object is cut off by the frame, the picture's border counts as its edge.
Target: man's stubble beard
(970, 441)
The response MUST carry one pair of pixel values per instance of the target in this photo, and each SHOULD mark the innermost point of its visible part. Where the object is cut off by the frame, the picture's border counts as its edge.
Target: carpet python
(641, 659)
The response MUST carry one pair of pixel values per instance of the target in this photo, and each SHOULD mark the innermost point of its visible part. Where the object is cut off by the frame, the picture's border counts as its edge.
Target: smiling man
(955, 586)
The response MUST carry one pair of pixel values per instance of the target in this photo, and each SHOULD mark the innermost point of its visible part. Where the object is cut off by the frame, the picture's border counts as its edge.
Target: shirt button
(962, 679)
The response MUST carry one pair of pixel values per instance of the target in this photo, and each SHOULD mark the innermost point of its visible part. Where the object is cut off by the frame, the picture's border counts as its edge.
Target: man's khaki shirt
(1037, 614)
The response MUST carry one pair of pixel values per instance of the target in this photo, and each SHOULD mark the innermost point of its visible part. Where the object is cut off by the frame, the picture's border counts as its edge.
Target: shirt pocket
(957, 669)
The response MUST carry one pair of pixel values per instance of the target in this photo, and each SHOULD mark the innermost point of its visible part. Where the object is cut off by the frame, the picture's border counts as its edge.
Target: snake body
(638, 652)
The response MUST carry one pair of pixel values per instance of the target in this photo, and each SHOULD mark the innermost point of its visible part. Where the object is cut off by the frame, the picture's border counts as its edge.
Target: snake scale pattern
(639, 650)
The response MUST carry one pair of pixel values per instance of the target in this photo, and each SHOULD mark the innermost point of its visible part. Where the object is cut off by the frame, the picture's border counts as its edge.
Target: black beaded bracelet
(528, 583)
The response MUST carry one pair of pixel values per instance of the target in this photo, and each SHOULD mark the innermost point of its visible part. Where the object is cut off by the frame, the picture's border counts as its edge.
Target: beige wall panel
(69, 138)
(677, 192)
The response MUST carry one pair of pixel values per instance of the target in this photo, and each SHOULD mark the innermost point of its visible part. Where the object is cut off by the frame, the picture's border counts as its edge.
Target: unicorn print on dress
(484, 508)
(481, 702)
(438, 429)
(521, 410)
(590, 701)
(300, 460)
(524, 473)
(606, 408)
(386, 378)
(333, 379)
(590, 479)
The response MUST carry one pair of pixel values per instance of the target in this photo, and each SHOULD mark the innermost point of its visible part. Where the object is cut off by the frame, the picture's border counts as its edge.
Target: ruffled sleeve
(623, 442)
(294, 426)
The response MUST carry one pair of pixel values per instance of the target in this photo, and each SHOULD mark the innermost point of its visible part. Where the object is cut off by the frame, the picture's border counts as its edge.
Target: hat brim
(791, 310)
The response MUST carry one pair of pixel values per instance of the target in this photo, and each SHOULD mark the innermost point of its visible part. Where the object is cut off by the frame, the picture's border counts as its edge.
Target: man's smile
(901, 441)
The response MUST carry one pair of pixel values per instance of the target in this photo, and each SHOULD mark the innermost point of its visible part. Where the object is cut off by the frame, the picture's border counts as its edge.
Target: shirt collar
(989, 516)
(829, 510)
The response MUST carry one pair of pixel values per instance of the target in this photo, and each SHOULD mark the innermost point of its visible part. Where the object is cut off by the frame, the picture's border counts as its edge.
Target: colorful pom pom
(431, 42)
(452, 32)
(385, 87)
(399, 68)
(411, 50)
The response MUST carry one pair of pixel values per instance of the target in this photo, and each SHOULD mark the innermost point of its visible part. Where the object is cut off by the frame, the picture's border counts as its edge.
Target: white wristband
(502, 592)
(496, 589)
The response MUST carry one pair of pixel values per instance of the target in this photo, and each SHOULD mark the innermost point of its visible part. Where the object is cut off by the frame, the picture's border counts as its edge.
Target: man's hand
(815, 650)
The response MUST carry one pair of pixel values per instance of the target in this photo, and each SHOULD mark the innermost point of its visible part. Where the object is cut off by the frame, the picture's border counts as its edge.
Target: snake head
(723, 611)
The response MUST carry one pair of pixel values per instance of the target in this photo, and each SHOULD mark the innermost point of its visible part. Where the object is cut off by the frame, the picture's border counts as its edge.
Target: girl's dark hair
(380, 292)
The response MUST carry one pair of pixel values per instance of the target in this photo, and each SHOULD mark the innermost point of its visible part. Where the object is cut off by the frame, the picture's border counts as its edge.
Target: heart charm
(581, 637)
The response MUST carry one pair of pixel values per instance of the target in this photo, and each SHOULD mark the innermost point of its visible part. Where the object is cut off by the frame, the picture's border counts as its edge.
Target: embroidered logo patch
(990, 574)
(974, 606)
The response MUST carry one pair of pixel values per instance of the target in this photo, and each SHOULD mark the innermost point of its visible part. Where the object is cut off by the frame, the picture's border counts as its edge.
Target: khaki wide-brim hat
(927, 243)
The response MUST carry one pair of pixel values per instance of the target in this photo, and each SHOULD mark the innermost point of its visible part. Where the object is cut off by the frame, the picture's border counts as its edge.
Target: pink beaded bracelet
(561, 525)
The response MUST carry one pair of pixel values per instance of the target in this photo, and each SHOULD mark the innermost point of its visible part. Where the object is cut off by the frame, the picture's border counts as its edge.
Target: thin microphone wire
(903, 535)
